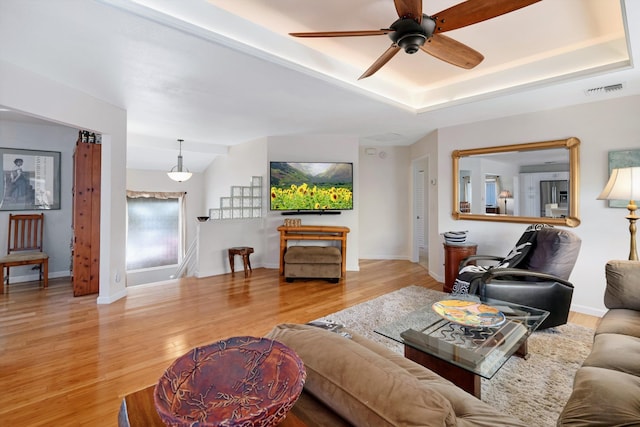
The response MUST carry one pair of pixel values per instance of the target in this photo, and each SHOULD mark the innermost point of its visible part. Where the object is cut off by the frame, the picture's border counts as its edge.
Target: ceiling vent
(604, 89)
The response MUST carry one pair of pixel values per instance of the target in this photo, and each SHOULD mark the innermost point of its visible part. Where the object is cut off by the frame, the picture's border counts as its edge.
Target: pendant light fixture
(177, 173)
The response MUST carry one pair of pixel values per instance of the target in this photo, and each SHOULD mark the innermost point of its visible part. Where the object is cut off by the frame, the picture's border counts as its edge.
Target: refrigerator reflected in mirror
(554, 198)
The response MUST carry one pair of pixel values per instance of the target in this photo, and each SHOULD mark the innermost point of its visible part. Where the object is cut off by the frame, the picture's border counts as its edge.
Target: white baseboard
(112, 298)
(436, 277)
(277, 266)
(389, 257)
(36, 276)
(588, 310)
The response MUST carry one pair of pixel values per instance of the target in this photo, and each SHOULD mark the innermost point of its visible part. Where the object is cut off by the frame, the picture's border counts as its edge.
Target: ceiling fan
(415, 31)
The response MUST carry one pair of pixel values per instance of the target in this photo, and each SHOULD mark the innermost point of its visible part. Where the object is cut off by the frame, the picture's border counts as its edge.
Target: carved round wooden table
(241, 381)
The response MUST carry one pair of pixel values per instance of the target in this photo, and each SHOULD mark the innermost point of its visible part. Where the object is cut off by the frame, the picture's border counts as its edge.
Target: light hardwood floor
(68, 361)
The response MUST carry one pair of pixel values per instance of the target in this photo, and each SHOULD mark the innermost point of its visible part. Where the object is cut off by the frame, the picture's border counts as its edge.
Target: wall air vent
(604, 89)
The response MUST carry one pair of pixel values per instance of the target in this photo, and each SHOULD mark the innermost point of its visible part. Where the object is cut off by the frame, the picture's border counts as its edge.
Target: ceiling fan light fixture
(428, 25)
(410, 35)
(177, 173)
(411, 42)
(413, 29)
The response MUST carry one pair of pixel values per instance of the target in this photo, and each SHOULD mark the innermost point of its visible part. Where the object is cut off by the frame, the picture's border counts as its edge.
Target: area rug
(533, 390)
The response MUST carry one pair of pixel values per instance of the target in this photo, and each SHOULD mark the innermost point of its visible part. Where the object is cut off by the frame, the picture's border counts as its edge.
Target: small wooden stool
(244, 251)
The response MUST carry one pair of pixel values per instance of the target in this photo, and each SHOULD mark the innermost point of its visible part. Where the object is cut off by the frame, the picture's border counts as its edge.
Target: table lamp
(624, 184)
(505, 194)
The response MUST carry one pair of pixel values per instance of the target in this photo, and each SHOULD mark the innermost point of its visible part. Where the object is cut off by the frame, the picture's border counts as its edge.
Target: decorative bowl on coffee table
(240, 381)
(469, 313)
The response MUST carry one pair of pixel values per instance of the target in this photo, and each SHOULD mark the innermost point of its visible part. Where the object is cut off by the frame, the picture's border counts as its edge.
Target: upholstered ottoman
(324, 262)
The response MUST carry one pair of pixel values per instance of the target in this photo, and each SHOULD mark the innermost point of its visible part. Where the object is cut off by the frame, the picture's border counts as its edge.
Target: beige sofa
(606, 389)
(355, 381)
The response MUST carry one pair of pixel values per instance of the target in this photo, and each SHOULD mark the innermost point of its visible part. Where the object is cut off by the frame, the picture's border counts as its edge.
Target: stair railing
(188, 262)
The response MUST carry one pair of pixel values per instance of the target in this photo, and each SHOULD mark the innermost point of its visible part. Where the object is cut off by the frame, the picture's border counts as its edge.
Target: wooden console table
(313, 232)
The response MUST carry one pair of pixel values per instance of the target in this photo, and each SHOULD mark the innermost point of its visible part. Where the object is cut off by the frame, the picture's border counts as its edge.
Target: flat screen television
(311, 186)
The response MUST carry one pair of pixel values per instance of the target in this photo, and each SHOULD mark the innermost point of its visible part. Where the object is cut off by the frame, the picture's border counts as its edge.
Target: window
(491, 192)
(154, 231)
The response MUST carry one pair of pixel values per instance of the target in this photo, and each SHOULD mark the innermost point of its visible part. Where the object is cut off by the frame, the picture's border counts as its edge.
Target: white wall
(316, 148)
(252, 159)
(216, 237)
(31, 93)
(385, 186)
(602, 127)
(146, 180)
(57, 223)
(242, 162)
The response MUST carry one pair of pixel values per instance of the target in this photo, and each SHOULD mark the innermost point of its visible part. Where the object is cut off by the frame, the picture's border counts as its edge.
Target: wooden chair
(24, 246)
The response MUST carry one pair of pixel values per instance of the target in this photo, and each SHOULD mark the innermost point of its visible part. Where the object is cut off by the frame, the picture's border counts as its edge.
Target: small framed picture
(30, 179)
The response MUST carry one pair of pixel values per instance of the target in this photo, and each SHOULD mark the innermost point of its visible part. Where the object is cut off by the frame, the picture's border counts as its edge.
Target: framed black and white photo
(30, 179)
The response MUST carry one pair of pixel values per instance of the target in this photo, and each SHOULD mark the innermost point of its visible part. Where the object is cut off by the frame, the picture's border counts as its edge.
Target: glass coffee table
(469, 340)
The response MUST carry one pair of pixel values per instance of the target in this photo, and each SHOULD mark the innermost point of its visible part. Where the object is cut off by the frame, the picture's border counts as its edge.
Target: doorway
(420, 253)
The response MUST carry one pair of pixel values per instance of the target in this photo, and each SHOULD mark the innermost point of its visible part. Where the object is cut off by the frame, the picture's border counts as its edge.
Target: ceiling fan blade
(344, 33)
(452, 51)
(472, 12)
(409, 9)
(383, 59)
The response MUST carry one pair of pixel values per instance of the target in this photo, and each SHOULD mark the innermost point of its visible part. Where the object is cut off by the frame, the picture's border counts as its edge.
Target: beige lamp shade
(624, 184)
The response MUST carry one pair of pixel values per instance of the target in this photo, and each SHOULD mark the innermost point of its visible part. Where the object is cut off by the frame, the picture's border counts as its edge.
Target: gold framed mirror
(534, 182)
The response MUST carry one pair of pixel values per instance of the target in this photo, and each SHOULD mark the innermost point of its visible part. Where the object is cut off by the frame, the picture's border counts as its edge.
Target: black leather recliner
(535, 273)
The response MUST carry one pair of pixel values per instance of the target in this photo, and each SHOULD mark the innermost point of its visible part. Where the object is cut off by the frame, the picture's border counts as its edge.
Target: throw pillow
(623, 283)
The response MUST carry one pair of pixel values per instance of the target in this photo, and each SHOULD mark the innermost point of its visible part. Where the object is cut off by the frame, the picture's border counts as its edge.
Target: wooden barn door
(86, 216)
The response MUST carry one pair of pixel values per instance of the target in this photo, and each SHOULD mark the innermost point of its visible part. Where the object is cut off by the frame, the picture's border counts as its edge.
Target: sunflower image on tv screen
(311, 186)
